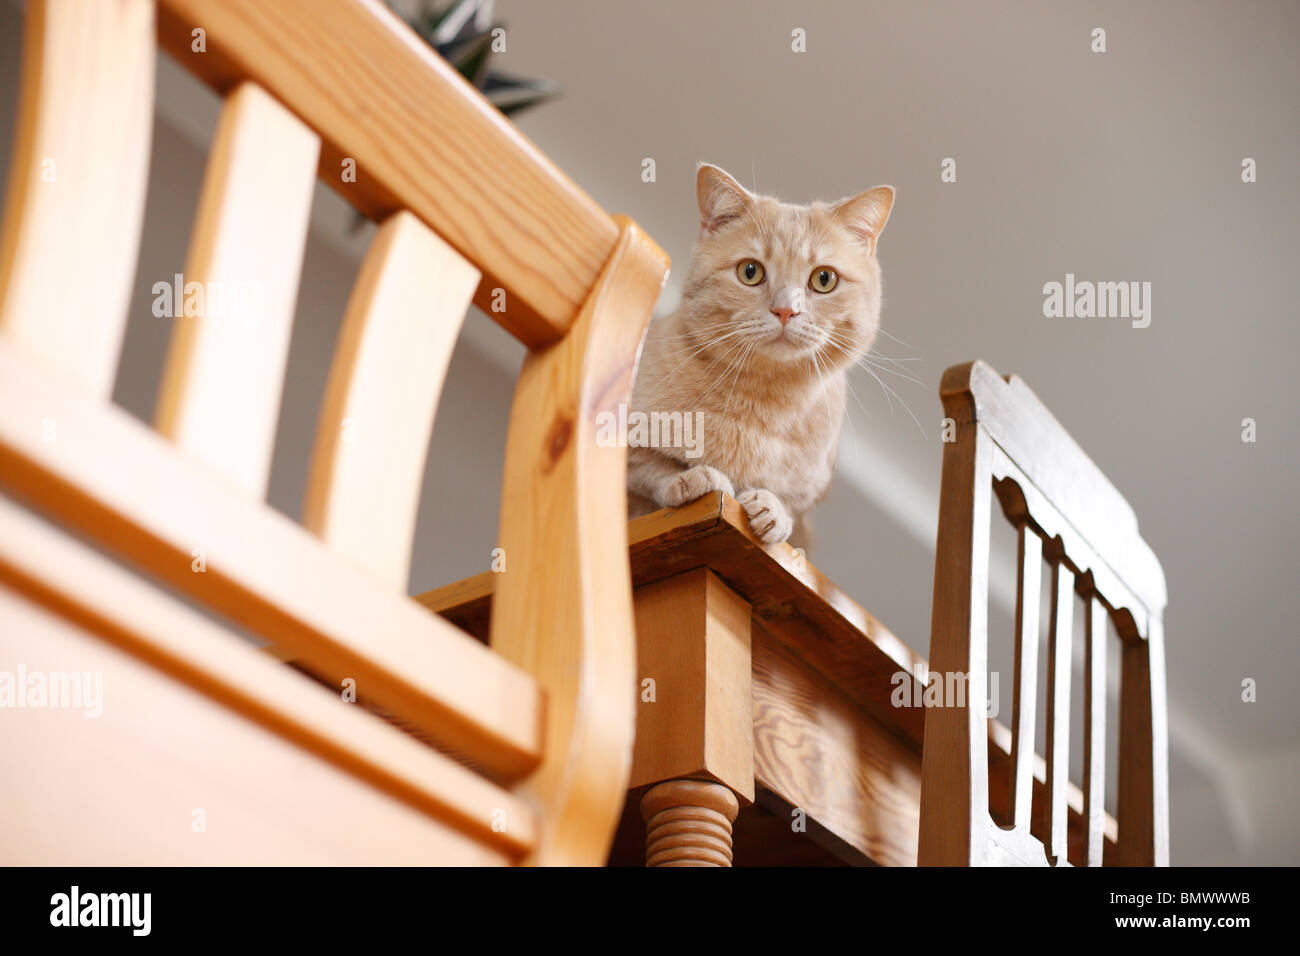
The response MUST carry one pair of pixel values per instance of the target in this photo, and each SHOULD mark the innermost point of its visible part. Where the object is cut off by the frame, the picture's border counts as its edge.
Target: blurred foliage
(463, 32)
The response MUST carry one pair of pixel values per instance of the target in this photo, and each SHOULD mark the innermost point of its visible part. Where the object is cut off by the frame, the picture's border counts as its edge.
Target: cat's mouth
(784, 349)
(783, 341)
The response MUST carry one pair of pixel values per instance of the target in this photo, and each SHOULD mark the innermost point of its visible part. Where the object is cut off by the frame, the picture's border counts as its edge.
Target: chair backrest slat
(1065, 511)
(419, 137)
(77, 184)
(398, 334)
(220, 395)
(1028, 586)
(1063, 474)
(1143, 808)
(956, 737)
(1059, 651)
(1094, 728)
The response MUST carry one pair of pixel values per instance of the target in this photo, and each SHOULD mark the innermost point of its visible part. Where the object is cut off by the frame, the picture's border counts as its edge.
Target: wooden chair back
(468, 210)
(1066, 512)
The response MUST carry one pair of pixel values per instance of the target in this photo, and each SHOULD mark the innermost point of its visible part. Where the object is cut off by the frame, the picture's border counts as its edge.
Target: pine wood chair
(103, 518)
(1064, 511)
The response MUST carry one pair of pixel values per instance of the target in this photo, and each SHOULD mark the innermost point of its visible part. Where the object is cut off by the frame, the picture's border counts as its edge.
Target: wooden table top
(795, 603)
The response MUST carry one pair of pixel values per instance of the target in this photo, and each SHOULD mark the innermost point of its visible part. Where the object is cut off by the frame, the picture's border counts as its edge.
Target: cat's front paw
(767, 516)
(695, 483)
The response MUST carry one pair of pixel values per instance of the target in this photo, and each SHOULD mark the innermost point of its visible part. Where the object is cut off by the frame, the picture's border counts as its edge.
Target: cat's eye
(823, 279)
(750, 272)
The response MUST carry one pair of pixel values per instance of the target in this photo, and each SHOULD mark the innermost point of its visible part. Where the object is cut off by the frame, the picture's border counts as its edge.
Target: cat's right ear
(721, 198)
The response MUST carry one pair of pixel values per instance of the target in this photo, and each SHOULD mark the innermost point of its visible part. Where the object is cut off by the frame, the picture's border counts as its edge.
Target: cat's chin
(807, 359)
(783, 350)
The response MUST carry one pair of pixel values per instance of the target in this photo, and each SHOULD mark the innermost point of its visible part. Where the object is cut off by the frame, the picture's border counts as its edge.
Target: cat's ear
(721, 198)
(865, 214)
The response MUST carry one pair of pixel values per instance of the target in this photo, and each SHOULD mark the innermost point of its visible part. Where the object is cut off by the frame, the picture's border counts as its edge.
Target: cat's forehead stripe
(794, 231)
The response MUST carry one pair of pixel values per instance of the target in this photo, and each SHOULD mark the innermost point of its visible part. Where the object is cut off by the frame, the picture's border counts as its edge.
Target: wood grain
(693, 642)
(77, 179)
(825, 756)
(954, 779)
(564, 613)
(422, 139)
(372, 439)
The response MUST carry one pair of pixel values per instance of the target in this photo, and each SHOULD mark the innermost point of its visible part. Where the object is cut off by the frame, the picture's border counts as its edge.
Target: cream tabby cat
(779, 302)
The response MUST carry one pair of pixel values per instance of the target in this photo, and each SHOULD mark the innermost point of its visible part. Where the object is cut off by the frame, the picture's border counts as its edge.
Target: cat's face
(786, 285)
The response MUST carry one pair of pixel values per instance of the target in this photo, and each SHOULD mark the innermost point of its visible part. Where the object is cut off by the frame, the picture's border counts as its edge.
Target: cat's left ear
(865, 214)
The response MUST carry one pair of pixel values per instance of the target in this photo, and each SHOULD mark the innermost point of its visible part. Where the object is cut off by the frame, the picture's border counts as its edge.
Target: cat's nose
(787, 304)
(784, 312)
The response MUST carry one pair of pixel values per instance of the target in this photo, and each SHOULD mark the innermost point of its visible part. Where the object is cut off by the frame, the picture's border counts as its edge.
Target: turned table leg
(688, 823)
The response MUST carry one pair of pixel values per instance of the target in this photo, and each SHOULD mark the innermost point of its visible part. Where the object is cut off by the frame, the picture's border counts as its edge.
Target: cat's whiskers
(695, 335)
(900, 367)
(707, 345)
(901, 373)
(729, 356)
(887, 390)
(817, 367)
(732, 347)
(840, 343)
(849, 385)
(744, 362)
(888, 335)
(735, 350)
(887, 358)
(868, 359)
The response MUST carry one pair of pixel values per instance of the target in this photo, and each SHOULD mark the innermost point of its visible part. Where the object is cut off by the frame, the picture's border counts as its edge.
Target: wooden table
(758, 674)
